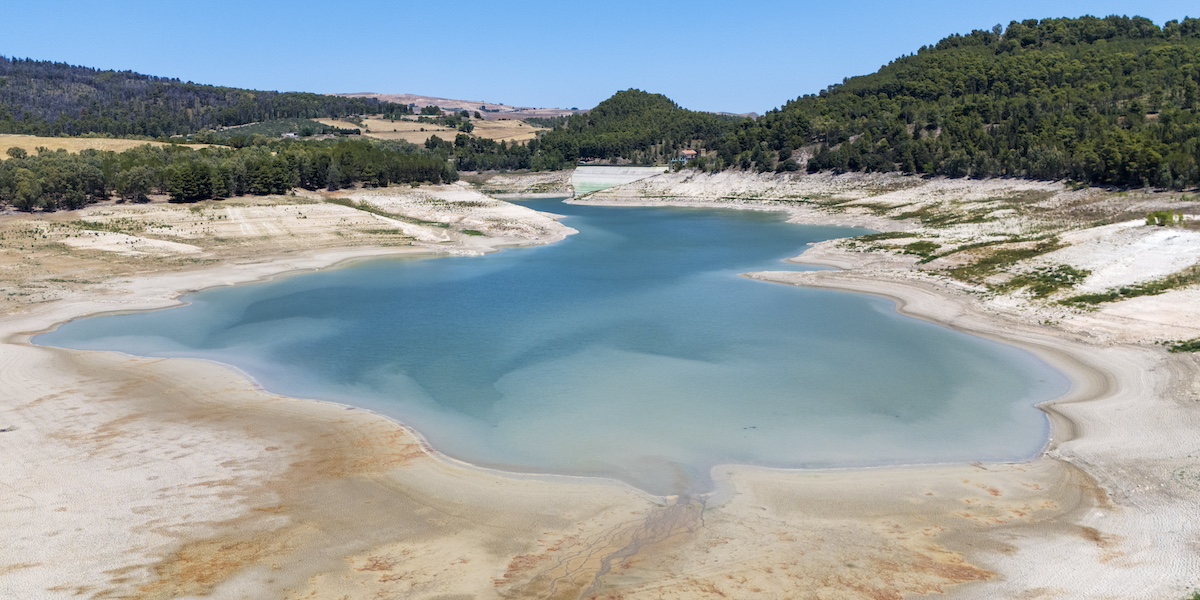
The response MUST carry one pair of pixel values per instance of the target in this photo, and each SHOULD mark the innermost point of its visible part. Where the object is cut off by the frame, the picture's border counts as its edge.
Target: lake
(632, 350)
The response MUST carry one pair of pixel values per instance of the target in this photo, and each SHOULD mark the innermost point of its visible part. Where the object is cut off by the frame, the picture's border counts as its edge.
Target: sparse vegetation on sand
(1045, 245)
(1186, 277)
(1044, 282)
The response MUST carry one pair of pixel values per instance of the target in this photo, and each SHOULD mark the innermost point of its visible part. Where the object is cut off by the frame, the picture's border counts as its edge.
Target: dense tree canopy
(633, 126)
(48, 98)
(1108, 101)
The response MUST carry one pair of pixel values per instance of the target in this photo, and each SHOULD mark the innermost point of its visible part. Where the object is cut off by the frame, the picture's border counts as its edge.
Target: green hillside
(48, 98)
(1108, 101)
(630, 127)
(635, 126)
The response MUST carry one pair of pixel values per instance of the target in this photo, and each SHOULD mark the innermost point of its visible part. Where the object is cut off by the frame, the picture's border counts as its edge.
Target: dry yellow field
(409, 131)
(416, 133)
(509, 130)
(30, 143)
(382, 129)
(338, 123)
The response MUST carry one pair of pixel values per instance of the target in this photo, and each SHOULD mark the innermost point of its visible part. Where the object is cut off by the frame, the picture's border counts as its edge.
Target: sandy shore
(141, 478)
(1128, 432)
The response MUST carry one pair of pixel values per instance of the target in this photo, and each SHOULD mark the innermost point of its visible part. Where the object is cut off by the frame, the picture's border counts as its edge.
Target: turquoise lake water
(632, 350)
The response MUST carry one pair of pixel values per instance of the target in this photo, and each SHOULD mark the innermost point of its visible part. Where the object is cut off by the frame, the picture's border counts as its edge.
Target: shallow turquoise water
(631, 350)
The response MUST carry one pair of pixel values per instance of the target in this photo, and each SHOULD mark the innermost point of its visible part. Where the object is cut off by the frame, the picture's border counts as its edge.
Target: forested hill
(1102, 101)
(48, 98)
(635, 126)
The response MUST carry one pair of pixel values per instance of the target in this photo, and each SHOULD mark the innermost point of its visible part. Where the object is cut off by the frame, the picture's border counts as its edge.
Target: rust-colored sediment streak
(674, 553)
(297, 452)
(574, 567)
(345, 453)
(196, 568)
(338, 513)
(366, 449)
(6, 569)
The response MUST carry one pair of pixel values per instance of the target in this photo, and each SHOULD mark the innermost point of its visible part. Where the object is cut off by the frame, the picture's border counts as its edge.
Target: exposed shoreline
(1093, 403)
(899, 294)
(660, 541)
(1091, 428)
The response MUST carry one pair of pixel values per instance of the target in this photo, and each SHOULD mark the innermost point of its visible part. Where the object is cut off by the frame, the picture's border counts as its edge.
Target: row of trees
(481, 154)
(59, 180)
(1110, 101)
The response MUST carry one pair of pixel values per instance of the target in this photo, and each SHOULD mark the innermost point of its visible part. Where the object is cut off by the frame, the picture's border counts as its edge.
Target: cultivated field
(416, 133)
(30, 143)
(508, 130)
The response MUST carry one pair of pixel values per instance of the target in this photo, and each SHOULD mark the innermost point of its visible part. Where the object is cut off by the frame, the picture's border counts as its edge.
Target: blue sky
(721, 56)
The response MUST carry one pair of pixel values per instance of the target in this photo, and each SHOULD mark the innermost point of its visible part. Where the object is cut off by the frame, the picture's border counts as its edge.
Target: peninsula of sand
(129, 477)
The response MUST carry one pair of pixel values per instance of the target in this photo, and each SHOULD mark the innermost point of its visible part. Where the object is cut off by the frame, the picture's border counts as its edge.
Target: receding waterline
(632, 350)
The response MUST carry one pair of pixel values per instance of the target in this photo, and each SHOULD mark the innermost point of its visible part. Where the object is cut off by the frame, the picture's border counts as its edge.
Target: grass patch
(455, 204)
(375, 210)
(827, 202)
(999, 259)
(887, 235)
(938, 216)
(274, 129)
(1164, 218)
(923, 248)
(963, 248)
(383, 231)
(1187, 346)
(1046, 281)
(984, 211)
(878, 209)
(120, 225)
(895, 186)
(363, 206)
(1186, 277)
(1026, 197)
(473, 232)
